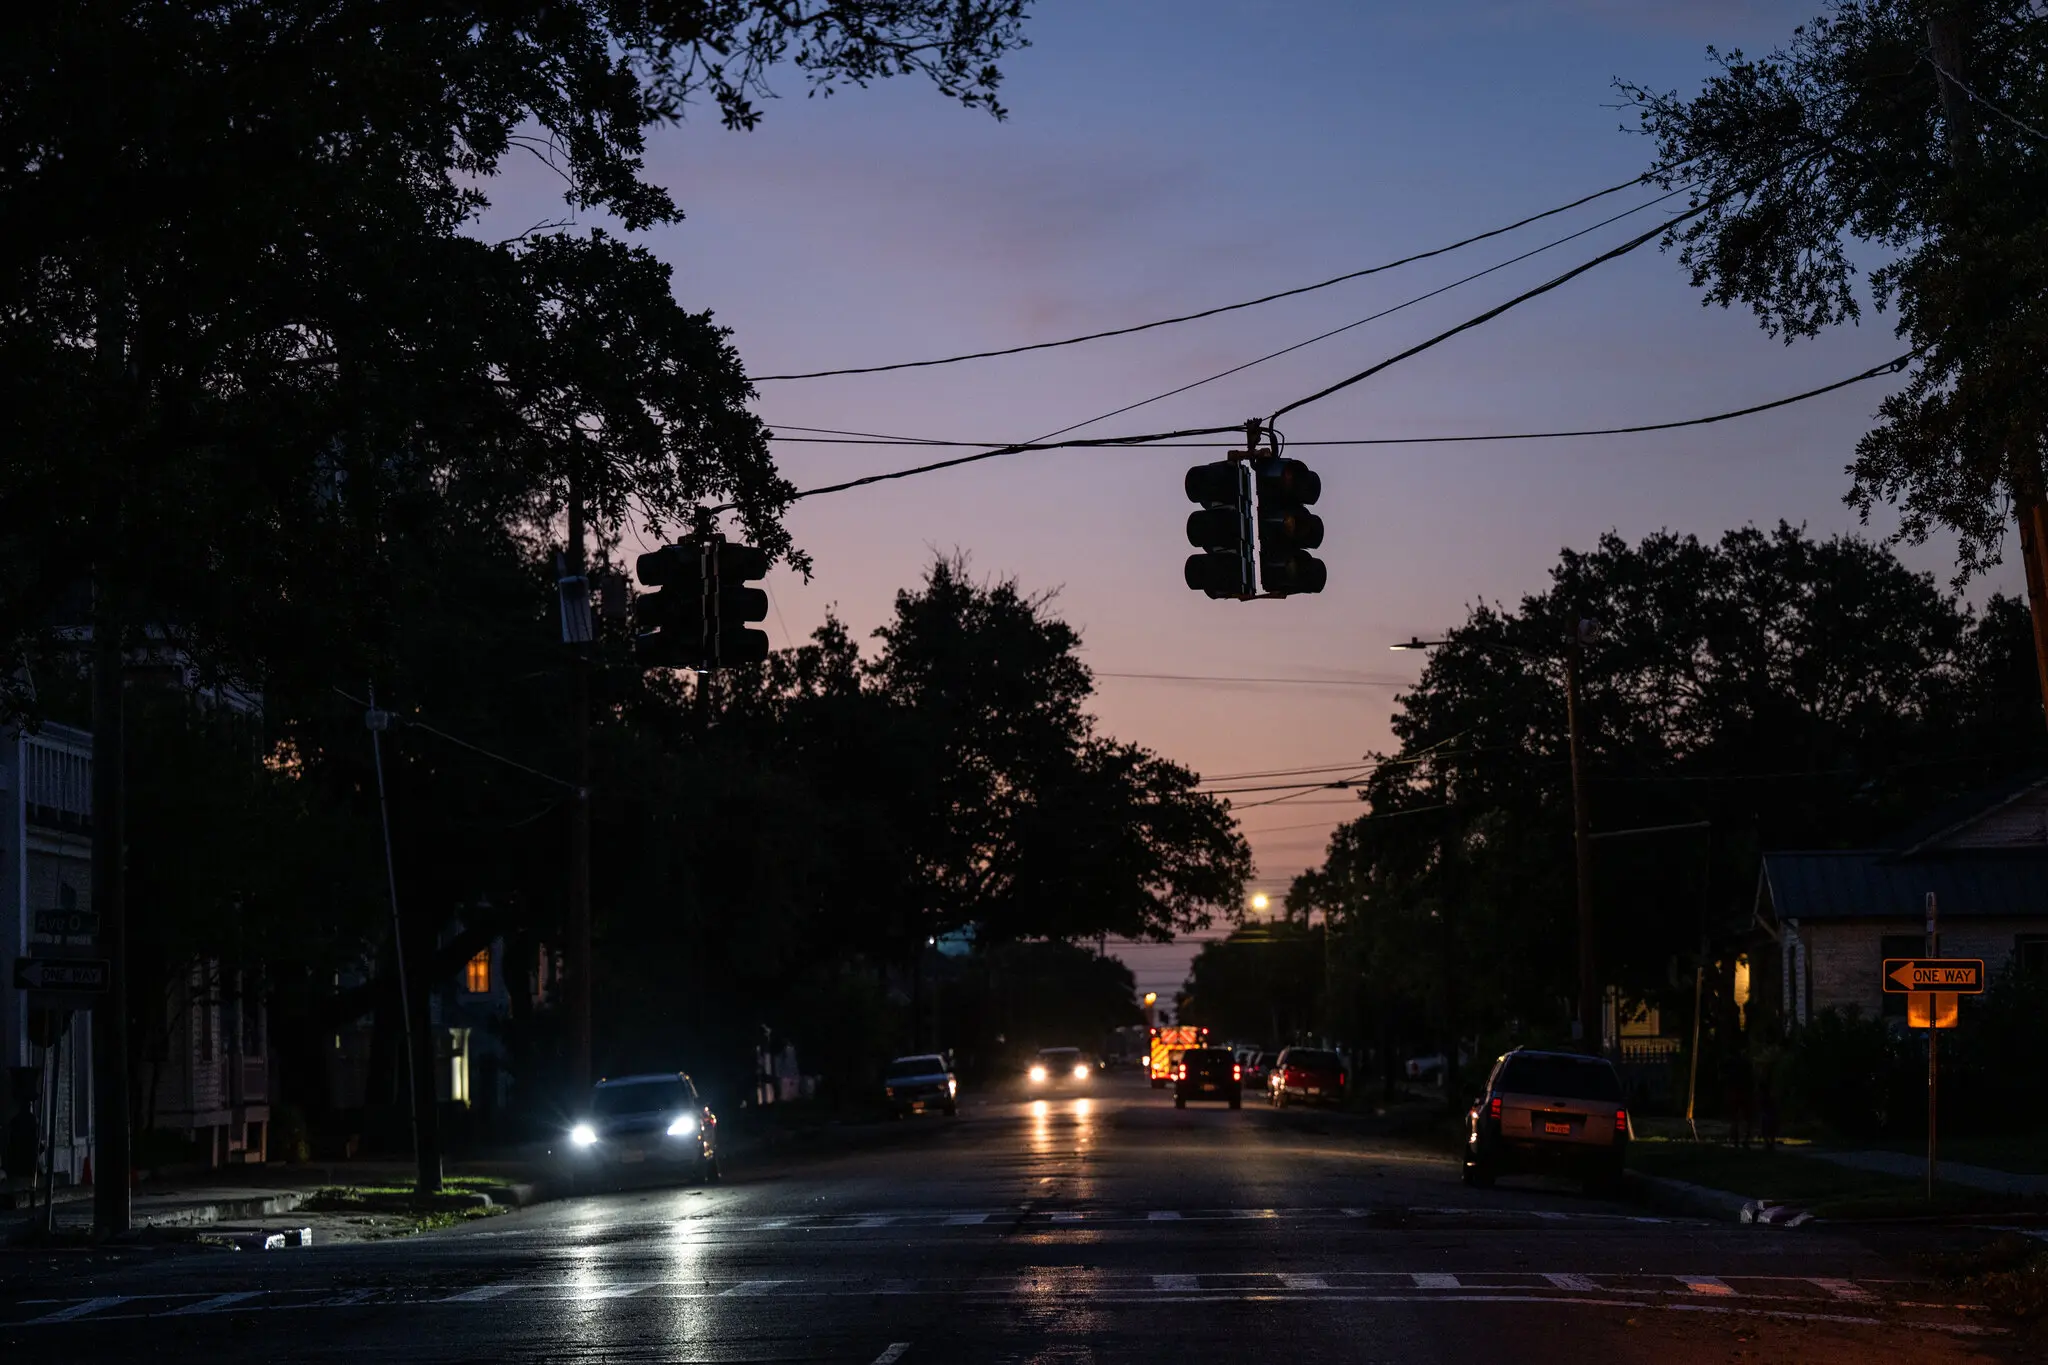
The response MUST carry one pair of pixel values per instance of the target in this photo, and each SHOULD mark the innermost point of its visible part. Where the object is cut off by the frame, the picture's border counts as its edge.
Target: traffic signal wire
(1207, 312)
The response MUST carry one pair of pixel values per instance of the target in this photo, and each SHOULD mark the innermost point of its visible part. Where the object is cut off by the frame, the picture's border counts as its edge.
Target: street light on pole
(1586, 1027)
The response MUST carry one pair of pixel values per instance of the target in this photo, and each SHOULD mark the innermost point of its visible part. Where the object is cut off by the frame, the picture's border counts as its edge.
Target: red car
(1307, 1075)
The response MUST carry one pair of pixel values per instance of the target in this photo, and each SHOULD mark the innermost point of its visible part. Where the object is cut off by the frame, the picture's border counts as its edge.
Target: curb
(225, 1211)
(1679, 1196)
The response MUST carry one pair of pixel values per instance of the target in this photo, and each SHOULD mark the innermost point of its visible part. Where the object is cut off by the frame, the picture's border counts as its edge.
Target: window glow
(477, 974)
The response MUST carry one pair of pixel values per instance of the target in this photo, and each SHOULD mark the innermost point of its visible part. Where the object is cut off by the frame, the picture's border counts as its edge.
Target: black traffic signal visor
(1295, 529)
(1288, 480)
(1213, 485)
(1215, 528)
(1220, 573)
(1292, 572)
(671, 564)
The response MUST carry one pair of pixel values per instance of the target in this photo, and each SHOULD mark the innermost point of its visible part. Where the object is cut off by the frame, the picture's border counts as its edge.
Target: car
(1059, 1066)
(1308, 1075)
(1257, 1066)
(912, 1085)
(1549, 1111)
(1208, 1073)
(653, 1121)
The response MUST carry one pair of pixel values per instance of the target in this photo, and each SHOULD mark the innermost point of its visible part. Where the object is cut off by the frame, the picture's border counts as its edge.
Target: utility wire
(1288, 682)
(1892, 366)
(1976, 98)
(1207, 312)
(412, 724)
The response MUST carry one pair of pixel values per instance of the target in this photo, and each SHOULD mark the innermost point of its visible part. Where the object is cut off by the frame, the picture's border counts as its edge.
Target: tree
(1912, 128)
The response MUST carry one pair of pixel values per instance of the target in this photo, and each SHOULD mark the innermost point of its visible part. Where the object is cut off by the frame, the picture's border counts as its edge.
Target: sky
(1167, 155)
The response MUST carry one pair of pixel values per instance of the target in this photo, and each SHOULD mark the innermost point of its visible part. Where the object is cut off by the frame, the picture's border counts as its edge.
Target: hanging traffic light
(1221, 529)
(1287, 529)
(734, 604)
(670, 620)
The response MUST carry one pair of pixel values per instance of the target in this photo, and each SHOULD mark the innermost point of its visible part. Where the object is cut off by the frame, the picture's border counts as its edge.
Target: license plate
(1564, 1128)
(917, 1106)
(1207, 1085)
(628, 1156)
(1315, 1090)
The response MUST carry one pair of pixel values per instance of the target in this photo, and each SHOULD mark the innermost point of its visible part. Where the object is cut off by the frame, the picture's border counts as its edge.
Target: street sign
(77, 975)
(67, 923)
(1960, 975)
(1933, 1009)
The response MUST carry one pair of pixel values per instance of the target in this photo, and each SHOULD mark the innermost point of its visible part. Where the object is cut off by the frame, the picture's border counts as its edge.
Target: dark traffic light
(1221, 529)
(699, 615)
(1287, 529)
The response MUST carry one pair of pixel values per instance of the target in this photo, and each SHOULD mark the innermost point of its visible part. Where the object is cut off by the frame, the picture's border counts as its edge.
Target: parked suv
(1548, 1111)
(1307, 1075)
(914, 1084)
(1208, 1073)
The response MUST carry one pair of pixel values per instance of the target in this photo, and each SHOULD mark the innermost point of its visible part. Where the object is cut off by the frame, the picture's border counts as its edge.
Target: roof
(1965, 810)
(1867, 884)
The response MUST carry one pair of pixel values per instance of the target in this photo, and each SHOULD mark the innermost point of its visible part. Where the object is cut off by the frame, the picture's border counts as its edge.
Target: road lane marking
(1576, 1283)
(966, 1220)
(747, 1289)
(615, 1291)
(1842, 1289)
(876, 1220)
(1066, 1217)
(1551, 1215)
(1175, 1284)
(1304, 1282)
(772, 1225)
(215, 1304)
(482, 1292)
(1429, 1280)
(893, 1354)
(1707, 1284)
(79, 1310)
(1162, 1216)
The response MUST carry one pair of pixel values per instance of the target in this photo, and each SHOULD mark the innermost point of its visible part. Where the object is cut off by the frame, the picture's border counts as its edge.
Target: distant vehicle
(1307, 1075)
(1546, 1111)
(1058, 1066)
(1426, 1068)
(1167, 1045)
(1208, 1073)
(914, 1084)
(654, 1120)
(1257, 1066)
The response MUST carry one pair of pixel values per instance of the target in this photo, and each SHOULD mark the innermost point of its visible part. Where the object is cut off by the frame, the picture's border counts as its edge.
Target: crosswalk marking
(1431, 1280)
(481, 1293)
(1065, 1216)
(217, 1303)
(1163, 1216)
(1304, 1282)
(893, 1353)
(1573, 1282)
(1843, 1289)
(624, 1290)
(773, 1224)
(1552, 1215)
(966, 1220)
(79, 1310)
(876, 1220)
(1175, 1283)
(1707, 1284)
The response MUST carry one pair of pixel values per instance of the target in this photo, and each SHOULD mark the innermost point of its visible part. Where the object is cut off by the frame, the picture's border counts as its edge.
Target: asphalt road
(1107, 1227)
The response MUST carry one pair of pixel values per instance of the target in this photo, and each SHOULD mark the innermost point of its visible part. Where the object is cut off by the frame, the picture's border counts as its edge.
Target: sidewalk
(1951, 1172)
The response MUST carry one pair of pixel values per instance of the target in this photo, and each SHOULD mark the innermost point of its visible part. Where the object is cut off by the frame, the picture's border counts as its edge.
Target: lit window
(478, 973)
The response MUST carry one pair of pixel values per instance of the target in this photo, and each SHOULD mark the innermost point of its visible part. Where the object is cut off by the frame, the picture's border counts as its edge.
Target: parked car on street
(1257, 1065)
(653, 1122)
(1307, 1075)
(1208, 1073)
(1059, 1066)
(913, 1085)
(1548, 1111)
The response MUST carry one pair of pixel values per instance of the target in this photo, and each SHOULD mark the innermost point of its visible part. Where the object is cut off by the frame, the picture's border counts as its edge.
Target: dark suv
(1208, 1073)
(1548, 1111)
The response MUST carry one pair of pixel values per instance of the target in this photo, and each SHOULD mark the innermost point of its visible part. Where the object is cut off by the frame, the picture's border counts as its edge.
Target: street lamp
(1587, 1026)
(1260, 901)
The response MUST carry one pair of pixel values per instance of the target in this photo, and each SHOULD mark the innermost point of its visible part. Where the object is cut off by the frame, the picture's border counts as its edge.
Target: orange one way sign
(1954, 975)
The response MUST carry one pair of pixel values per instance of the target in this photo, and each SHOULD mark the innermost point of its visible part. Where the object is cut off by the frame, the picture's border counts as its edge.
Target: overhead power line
(1207, 312)
(1285, 682)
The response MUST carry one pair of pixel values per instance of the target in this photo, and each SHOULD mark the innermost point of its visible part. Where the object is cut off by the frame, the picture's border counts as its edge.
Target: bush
(1844, 1072)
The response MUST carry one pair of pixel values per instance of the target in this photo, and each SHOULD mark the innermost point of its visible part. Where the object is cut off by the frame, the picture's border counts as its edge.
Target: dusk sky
(1168, 155)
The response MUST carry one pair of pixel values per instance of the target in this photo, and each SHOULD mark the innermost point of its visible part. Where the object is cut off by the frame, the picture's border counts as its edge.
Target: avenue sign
(1949, 975)
(68, 923)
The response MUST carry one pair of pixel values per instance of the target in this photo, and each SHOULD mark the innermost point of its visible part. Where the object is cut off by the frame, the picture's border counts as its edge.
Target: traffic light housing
(1221, 529)
(699, 615)
(1287, 529)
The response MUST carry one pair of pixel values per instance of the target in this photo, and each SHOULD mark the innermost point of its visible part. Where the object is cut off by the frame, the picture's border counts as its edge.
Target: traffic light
(670, 620)
(1287, 529)
(1221, 529)
(699, 616)
(734, 604)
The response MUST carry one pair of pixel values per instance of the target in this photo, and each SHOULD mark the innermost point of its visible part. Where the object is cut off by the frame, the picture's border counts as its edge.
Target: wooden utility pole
(579, 964)
(1582, 842)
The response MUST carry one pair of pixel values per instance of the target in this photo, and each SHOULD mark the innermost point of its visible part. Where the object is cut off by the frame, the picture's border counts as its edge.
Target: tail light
(1237, 1073)
(1493, 1107)
(1621, 1121)
(1340, 1080)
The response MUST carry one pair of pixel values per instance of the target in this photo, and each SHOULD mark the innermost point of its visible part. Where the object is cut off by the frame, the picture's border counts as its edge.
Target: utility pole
(1582, 844)
(580, 983)
(1933, 1037)
(419, 1080)
(110, 1206)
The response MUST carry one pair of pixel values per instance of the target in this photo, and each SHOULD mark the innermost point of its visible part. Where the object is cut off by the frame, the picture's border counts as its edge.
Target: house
(1834, 916)
(46, 865)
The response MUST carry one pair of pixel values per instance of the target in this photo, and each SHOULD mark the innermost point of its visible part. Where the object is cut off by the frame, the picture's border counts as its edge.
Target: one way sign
(1951, 975)
(79, 975)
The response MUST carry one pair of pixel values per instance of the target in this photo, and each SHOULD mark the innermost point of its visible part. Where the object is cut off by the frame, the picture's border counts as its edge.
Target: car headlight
(583, 1135)
(684, 1125)
(1081, 1072)
(952, 1086)
(1037, 1073)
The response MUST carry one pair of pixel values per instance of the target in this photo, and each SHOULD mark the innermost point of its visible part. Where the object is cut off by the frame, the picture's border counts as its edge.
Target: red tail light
(1340, 1080)
(1236, 1073)
(1493, 1108)
(1621, 1120)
